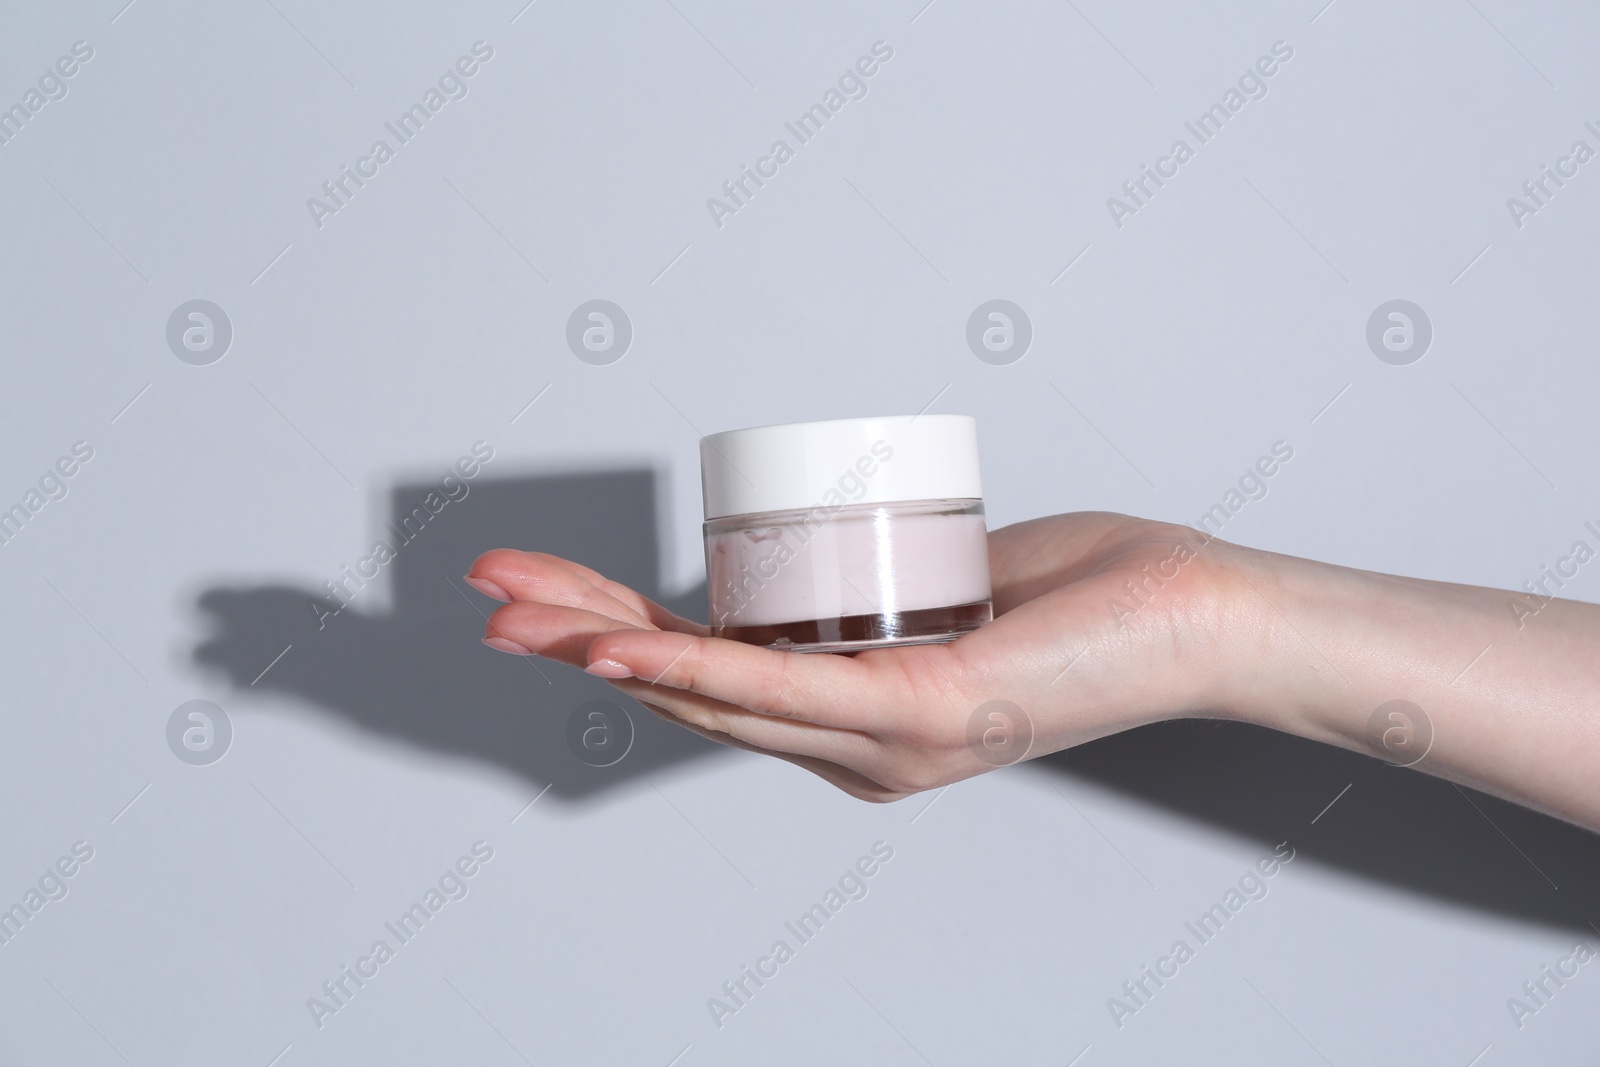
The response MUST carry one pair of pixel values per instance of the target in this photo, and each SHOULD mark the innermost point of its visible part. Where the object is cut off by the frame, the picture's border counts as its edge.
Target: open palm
(1103, 622)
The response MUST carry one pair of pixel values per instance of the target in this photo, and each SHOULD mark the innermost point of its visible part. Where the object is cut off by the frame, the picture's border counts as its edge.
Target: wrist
(1270, 661)
(1220, 649)
(1453, 680)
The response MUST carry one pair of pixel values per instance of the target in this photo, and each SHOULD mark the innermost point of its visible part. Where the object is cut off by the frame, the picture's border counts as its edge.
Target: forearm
(1512, 699)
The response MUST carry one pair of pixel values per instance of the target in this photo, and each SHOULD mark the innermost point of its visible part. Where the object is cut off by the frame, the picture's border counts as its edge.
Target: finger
(822, 689)
(510, 574)
(549, 630)
(849, 748)
(842, 778)
(543, 577)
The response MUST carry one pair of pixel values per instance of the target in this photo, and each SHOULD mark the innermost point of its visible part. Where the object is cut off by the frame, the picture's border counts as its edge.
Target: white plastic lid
(806, 465)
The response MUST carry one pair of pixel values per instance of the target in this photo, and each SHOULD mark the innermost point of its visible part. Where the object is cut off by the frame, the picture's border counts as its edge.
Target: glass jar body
(843, 579)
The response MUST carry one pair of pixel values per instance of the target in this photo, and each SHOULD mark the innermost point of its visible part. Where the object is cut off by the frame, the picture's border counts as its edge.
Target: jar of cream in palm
(846, 535)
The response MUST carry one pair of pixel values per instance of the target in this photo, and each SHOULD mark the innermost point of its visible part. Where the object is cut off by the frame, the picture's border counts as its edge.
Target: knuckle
(779, 695)
(693, 668)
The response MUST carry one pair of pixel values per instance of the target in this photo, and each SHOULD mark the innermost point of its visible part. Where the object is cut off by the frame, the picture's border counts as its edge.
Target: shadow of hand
(414, 671)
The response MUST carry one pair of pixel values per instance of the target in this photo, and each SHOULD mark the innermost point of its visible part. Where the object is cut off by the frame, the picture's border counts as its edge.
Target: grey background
(369, 354)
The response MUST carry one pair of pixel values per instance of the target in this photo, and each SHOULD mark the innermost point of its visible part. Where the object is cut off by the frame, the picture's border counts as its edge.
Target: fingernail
(608, 668)
(500, 644)
(487, 588)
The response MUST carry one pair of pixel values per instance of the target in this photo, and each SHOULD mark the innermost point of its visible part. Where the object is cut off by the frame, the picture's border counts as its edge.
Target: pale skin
(1308, 648)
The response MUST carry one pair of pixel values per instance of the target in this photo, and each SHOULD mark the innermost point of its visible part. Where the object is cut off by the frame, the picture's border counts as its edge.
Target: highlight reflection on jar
(845, 535)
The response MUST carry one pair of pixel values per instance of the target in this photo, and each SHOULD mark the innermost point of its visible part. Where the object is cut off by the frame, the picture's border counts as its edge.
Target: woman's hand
(1104, 622)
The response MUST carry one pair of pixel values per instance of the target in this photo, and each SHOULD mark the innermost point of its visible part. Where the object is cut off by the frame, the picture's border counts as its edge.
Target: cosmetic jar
(846, 535)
